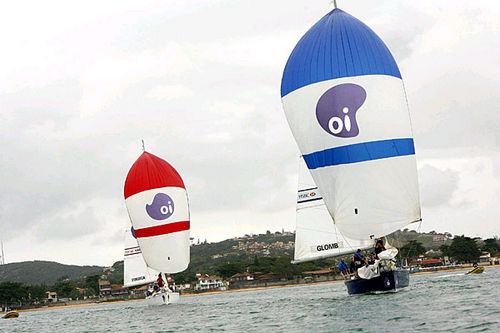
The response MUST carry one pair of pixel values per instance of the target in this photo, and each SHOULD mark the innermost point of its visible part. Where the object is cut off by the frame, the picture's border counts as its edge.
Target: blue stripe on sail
(308, 189)
(360, 152)
(338, 45)
(309, 200)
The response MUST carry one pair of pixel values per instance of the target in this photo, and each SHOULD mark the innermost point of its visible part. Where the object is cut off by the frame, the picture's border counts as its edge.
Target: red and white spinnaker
(157, 204)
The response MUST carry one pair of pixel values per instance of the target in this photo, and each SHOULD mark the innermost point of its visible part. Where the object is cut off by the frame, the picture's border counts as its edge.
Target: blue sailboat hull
(387, 281)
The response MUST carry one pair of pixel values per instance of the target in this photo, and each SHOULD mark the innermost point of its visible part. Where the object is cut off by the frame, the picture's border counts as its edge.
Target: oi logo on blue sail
(336, 109)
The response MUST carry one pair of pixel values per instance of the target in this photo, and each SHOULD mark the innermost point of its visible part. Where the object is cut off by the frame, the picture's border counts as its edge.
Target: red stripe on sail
(162, 229)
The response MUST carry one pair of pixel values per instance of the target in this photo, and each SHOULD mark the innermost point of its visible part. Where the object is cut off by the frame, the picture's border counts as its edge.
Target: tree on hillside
(412, 249)
(262, 264)
(284, 268)
(75, 294)
(64, 288)
(464, 249)
(445, 250)
(491, 246)
(92, 284)
(37, 292)
(13, 292)
(229, 269)
(184, 277)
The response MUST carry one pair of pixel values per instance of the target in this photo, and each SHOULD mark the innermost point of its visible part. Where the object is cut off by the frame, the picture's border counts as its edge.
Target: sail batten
(344, 100)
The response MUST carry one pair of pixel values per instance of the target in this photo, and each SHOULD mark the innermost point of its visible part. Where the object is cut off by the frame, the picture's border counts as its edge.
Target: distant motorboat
(477, 270)
(11, 314)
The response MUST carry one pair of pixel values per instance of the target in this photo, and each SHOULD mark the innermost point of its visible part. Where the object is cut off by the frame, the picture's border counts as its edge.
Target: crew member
(344, 270)
(371, 261)
(379, 247)
(358, 256)
(160, 281)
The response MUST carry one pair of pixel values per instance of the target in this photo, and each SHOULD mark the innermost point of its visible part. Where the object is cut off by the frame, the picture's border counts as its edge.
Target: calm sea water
(432, 303)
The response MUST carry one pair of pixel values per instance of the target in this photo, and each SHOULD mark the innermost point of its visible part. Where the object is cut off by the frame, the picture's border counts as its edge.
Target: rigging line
(418, 231)
(407, 104)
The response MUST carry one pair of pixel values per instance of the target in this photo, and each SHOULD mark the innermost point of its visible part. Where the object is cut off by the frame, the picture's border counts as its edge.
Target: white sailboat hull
(163, 298)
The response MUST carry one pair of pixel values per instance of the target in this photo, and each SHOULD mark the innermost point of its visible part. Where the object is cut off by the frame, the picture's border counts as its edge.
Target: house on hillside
(51, 296)
(485, 257)
(241, 280)
(118, 290)
(209, 282)
(326, 274)
(433, 253)
(269, 277)
(140, 291)
(242, 277)
(104, 288)
(439, 238)
(423, 261)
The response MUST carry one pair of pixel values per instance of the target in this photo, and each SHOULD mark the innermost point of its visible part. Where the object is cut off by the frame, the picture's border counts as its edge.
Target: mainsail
(157, 204)
(344, 100)
(135, 270)
(316, 236)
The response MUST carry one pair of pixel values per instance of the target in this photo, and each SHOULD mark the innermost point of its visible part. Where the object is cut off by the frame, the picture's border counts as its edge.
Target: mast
(2, 257)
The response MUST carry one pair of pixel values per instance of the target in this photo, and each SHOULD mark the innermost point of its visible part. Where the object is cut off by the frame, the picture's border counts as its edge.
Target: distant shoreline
(241, 290)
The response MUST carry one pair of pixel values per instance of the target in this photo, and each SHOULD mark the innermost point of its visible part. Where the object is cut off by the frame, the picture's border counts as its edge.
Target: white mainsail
(135, 270)
(316, 236)
(344, 100)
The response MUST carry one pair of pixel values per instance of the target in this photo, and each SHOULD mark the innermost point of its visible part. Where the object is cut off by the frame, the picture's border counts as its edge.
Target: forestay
(135, 270)
(316, 236)
(344, 100)
(157, 204)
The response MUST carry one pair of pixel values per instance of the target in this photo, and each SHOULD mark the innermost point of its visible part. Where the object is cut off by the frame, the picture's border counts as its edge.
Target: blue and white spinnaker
(344, 100)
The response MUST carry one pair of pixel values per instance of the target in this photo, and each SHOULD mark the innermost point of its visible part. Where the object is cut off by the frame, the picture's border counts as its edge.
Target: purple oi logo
(337, 107)
(161, 208)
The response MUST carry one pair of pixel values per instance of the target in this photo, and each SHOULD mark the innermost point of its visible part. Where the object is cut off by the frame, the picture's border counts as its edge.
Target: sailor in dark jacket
(379, 247)
(352, 266)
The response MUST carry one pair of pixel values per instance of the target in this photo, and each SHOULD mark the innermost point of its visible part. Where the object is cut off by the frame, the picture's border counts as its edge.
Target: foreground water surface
(439, 302)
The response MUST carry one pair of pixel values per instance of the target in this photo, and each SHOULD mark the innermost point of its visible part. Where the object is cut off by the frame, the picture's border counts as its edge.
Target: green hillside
(45, 272)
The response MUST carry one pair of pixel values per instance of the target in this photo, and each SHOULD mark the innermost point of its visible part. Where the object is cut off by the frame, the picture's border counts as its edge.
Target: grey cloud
(437, 186)
(68, 225)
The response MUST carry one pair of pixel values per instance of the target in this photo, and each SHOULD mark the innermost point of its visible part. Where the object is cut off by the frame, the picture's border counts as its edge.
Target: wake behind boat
(345, 102)
(158, 241)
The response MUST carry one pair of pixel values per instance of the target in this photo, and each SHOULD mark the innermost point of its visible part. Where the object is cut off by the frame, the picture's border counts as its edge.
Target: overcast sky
(199, 81)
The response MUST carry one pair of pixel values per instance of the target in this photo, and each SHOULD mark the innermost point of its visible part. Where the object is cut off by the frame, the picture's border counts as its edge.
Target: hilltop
(45, 272)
